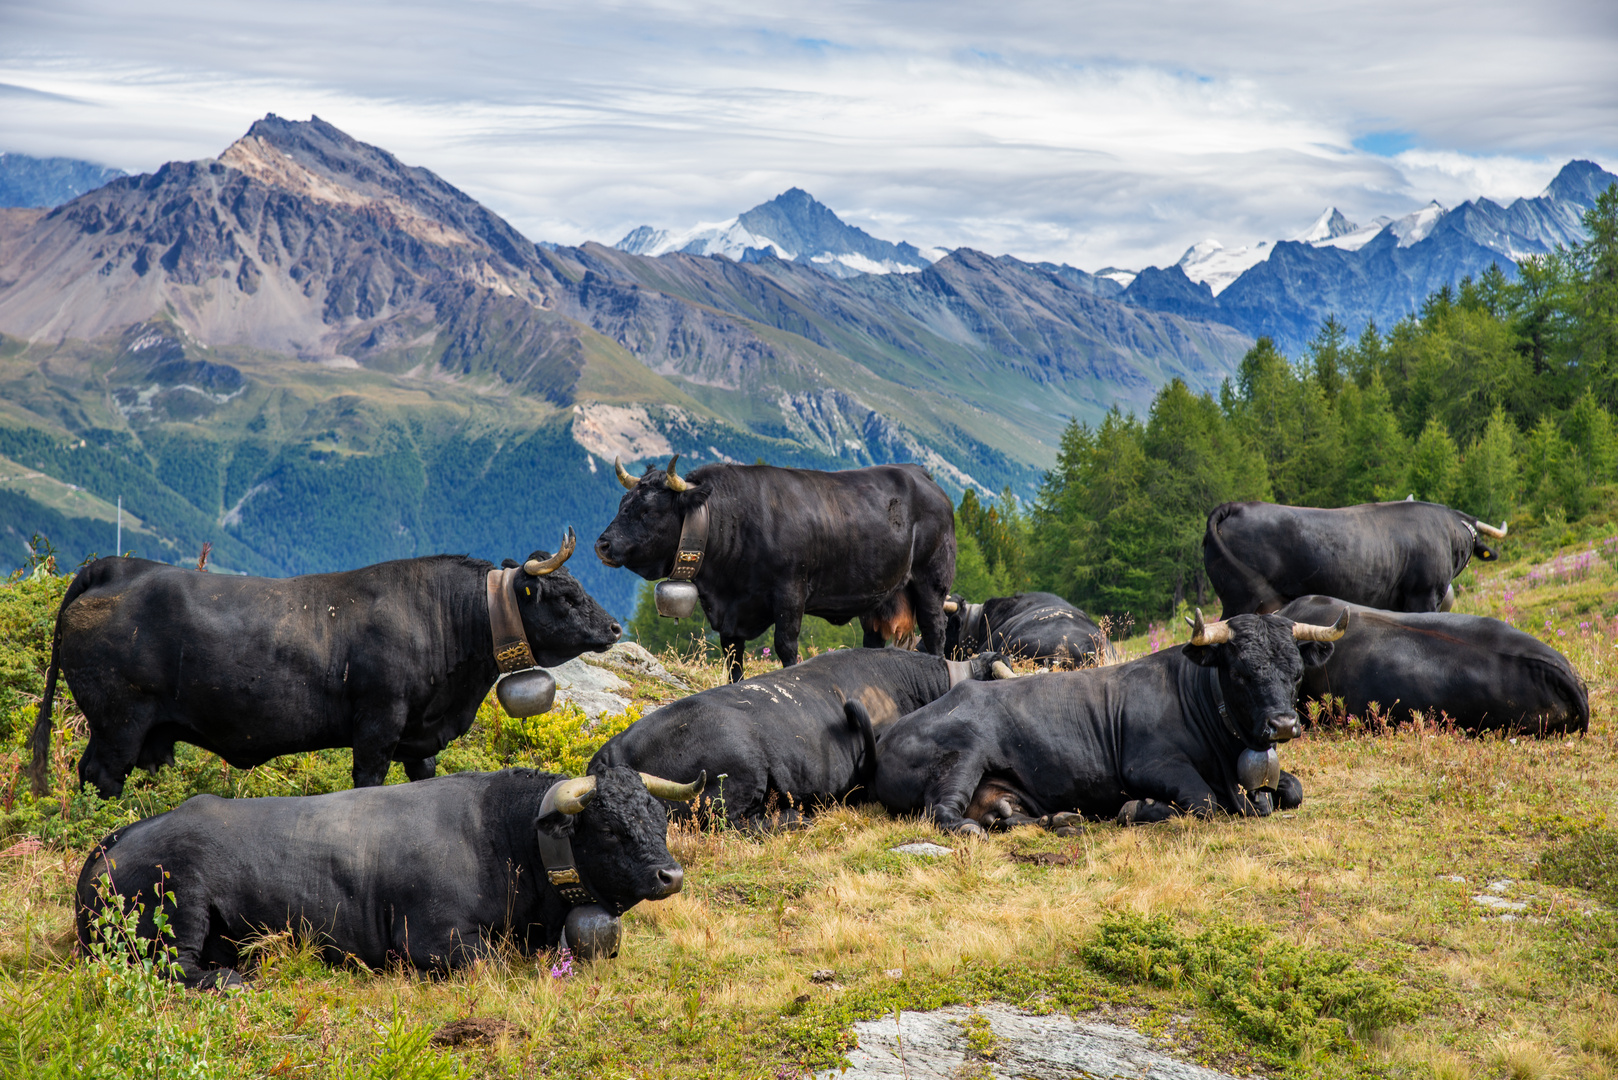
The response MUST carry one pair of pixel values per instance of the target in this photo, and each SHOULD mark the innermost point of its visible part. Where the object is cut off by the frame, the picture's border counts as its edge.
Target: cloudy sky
(1111, 133)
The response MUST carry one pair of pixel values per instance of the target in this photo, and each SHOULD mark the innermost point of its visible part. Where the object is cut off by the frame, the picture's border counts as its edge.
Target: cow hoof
(1126, 816)
(1068, 830)
(1263, 803)
(972, 829)
(1066, 819)
(222, 981)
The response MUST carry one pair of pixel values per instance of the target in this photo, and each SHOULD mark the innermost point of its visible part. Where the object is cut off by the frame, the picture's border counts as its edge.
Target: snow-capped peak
(1328, 226)
(1211, 262)
(1413, 228)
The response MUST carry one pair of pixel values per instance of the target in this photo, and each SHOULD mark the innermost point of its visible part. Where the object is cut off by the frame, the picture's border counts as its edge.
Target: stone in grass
(1499, 903)
(824, 975)
(922, 847)
(1054, 1047)
(593, 689)
(477, 1029)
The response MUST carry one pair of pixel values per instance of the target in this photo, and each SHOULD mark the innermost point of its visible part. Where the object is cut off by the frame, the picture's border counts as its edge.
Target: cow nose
(1283, 728)
(669, 881)
(617, 631)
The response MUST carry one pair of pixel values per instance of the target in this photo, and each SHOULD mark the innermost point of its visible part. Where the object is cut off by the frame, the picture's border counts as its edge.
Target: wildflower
(564, 964)
(766, 653)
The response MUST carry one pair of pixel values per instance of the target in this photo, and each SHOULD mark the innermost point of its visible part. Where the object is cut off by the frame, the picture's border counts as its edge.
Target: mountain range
(33, 181)
(1378, 272)
(316, 356)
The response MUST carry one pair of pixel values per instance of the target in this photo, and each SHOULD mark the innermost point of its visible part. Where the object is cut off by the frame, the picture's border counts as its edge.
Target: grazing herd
(1325, 611)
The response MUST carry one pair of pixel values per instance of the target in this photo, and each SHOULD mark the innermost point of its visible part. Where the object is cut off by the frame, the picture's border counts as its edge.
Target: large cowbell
(1259, 771)
(675, 599)
(526, 693)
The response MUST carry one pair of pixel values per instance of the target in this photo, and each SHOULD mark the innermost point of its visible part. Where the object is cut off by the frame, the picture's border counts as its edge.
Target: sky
(1096, 134)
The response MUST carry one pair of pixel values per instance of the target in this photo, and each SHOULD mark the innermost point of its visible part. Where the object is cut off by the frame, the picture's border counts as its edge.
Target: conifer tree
(1378, 455)
(1489, 481)
(1435, 464)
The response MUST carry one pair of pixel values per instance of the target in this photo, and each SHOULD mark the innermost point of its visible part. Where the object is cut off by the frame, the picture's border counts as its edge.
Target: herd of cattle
(1345, 608)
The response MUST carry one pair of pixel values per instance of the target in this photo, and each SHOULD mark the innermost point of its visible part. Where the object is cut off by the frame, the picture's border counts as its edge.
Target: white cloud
(1105, 133)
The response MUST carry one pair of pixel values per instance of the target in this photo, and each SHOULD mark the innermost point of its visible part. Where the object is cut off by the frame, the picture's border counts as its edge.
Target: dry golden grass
(710, 981)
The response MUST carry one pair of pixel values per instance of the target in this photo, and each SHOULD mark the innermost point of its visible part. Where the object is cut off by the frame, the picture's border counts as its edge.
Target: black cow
(1398, 556)
(392, 660)
(430, 874)
(789, 742)
(1483, 674)
(1173, 733)
(1036, 626)
(874, 544)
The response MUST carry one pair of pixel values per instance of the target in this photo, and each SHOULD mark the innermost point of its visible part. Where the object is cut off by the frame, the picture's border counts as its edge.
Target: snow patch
(1217, 266)
(1413, 228)
(1113, 273)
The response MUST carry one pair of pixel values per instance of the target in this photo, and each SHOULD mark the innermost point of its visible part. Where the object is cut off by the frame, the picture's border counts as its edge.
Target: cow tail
(859, 720)
(1260, 589)
(39, 770)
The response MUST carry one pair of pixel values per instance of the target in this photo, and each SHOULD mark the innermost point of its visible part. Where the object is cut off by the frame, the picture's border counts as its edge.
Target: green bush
(1588, 861)
(1281, 995)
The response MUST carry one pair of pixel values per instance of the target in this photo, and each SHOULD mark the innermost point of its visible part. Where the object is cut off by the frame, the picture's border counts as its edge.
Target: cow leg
(421, 768)
(376, 733)
(111, 754)
(931, 620)
(1288, 792)
(787, 625)
(872, 638)
(1170, 788)
(732, 648)
(948, 796)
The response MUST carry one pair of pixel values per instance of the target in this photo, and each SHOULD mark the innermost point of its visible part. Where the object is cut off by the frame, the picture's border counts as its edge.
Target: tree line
(1497, 397)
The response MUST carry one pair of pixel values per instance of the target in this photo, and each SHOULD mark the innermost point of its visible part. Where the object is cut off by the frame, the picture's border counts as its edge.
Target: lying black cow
(789, 742)
(1398, 556)
(1483, 674)
(1183, 731)
(874, 544)
(1036, 626)
(427, 874)
(392, 659)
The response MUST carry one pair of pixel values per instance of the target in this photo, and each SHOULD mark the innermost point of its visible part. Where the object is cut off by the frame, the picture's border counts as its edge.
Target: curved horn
(951, 607)
(571, 796)
(539, 568)
(1203, 634)
(623, 474)
(668, 789)
(1303, 631)
(1002, 670)
(1489, 530)
(672, 479)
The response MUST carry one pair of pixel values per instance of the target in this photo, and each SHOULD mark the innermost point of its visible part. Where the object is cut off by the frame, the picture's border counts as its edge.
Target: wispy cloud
(1101, 133)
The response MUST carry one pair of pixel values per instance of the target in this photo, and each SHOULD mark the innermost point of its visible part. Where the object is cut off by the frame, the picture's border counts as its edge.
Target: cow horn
(1303, 631)
(623, 474)
(1203, 634)
(668, 789)
(1002, 670)
(1489, 530)
(672, 480)
(539, 568)
(571, 796)
(951, 607)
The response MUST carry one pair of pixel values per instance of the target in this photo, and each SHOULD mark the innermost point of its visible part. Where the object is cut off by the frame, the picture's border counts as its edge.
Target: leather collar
(556, 855)
(693, 542)
(1224, 712)
(511, 651)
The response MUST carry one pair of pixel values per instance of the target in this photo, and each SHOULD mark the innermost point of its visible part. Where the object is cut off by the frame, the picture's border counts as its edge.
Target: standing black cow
(872, 544)
(427, 874)
(789, 742)
(392, 660)
(1483, 674)
(1398, 556)
(1173, 733)
(1036, 626)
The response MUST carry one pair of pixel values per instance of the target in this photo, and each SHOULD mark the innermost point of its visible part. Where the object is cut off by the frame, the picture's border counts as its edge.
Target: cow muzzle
(669, 882)
(1283, 728)
(604, 553)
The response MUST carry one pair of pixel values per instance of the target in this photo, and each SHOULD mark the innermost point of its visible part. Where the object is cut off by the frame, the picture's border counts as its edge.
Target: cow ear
(556, 824)
(692, 497)
(509, 564)
(1314, 653)
(1485, 554)
(1202, 655)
